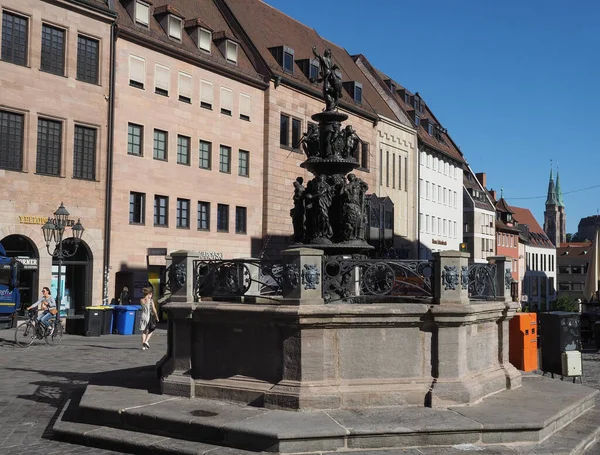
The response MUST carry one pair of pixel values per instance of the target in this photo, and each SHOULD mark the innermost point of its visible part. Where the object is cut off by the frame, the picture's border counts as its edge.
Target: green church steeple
(559, 198)
(551, 199)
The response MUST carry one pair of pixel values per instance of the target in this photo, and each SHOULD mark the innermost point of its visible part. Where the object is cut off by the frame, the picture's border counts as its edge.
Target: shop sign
(28, 263)
(210, 255)
(439, 242)
(157, 251)
(30, 219)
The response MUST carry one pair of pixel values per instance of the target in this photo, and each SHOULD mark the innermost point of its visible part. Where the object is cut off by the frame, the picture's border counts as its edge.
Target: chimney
(482, 179)
(493, 195)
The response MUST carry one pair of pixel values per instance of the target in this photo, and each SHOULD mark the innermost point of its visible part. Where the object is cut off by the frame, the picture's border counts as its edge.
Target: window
(427, 189)
(161, 210)
(225, 159)
(313, 70)
(222, 218)
(175, 27)
(387, 169)
(381, 173)
(231, 51)
(364, 155)
(399, 172)
(421, 188)
(206, 94)
(296, 133)
(161, 80)
(245, 107)
(433, 224)
(11, 140)
(160, 145)
(135, 134)
(284, 130)
(393, 171)
(288, 61)
(183, 213)
(203, 216)
(205, 39)
(244, 162)
(430, 128)
(240, 220)
(53, 50)
(427, 228)
(142, 13)
(137, 71)
(14, 38)
(49, 147)
(417, 120)
(84, 153)
(205, 154)
(137, 206)
(226, 101)
(183, 150)
(433, 192)
(88, 50)
(185, 88)
(358, 93)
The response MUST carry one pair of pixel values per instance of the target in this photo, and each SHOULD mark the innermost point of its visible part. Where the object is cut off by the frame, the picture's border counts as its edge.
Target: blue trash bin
(124, 321)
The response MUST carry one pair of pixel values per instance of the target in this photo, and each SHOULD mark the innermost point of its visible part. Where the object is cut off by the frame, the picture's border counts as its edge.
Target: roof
(536, 235)
(196, 12)
(574, 249)
(445, 146)
(502, 206)
(267, 27)
(470, 182)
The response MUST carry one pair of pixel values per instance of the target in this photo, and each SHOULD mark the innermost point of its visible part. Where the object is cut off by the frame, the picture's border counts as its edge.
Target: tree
(569, 237)
(566, 303)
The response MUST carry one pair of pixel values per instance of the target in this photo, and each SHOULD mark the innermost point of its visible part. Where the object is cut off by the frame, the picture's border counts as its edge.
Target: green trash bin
(94, 321)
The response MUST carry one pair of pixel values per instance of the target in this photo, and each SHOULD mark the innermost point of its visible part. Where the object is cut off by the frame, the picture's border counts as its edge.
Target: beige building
(54, 87)
(188, 140)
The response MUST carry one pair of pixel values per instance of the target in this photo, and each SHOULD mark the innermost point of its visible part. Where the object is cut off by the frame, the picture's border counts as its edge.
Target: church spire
(551, 199)
(559, 198)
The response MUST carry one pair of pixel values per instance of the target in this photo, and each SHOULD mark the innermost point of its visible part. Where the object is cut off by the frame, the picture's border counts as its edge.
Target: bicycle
(26, 333)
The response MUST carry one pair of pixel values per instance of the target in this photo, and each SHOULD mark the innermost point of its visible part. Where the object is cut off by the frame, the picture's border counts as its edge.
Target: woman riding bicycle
(47, 304)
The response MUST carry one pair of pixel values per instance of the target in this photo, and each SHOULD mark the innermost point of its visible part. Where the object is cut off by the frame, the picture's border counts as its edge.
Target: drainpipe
(109, 160)
(418, 185)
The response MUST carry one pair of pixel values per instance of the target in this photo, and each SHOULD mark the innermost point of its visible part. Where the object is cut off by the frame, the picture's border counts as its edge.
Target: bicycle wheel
(25, 334)
(56, 335)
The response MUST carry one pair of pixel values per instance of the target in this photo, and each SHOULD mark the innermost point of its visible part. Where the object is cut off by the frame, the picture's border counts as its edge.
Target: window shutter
(142, 12)
(162, 77)
(185, 85)
(175, 27)
(226, 99)
(137, 69)
(245, 105)
(206, 92)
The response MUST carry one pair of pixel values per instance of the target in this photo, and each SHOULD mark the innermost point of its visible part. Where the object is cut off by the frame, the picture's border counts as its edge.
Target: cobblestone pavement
(34, 382)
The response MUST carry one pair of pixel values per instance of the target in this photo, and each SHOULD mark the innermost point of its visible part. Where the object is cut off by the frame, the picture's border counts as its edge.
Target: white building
(479, 231)
(538, 286)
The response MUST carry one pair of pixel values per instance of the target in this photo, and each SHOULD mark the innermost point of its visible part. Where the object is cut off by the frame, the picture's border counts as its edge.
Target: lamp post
(54, 231)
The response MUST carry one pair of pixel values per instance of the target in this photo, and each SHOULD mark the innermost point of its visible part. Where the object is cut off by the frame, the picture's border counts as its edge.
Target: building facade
(54, 112)
(507, 236)
(188, 167)
(538, 278)
(572, 261)
(478, 229)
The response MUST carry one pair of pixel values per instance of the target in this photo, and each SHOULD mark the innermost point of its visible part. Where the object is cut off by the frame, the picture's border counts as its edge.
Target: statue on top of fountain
(332, 84)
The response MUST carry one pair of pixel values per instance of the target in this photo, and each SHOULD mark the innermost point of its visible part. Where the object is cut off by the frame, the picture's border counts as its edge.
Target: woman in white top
(148, 310)
(47, 304)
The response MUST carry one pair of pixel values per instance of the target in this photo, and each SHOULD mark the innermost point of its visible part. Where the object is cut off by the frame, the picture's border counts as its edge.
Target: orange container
(523, 333)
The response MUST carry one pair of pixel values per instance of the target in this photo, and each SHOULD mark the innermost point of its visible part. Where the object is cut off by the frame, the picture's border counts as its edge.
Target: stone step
(573, 439)
(530, 414)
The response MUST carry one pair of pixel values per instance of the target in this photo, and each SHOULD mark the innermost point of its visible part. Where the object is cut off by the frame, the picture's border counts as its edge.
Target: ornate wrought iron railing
(482, 281)
(375, 280)
(237, 278)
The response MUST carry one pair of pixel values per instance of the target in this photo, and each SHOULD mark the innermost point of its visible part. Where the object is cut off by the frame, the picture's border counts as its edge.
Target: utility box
(523, 335)
(571, 363)
(560, 332)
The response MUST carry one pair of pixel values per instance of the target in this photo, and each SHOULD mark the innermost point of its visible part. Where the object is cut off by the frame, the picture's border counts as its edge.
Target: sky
(515, 82)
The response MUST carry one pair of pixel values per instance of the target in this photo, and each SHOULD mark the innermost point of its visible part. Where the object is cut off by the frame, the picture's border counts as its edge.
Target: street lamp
(54, 231)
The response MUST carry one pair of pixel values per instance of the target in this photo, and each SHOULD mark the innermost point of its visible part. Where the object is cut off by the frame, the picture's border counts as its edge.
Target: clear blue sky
(515, 82)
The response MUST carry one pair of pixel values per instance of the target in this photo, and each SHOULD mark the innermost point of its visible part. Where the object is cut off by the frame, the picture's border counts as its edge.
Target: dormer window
(284, 56)
(314, 70)
(430, 128)
(204, 39)
(231, 51)
(417, 120)
(354, 89)
(175, 24)
(142, 13)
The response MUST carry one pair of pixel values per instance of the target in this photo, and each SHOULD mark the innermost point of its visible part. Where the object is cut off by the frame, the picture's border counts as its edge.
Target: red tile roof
(537, 236)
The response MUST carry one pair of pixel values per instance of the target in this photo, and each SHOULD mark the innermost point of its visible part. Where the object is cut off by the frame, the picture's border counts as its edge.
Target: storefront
(24, 250)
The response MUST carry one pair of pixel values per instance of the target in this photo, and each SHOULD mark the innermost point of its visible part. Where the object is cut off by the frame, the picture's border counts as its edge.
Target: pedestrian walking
(149, 317)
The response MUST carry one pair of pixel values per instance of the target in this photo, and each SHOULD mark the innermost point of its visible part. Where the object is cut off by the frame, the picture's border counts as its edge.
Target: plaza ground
(35, 383)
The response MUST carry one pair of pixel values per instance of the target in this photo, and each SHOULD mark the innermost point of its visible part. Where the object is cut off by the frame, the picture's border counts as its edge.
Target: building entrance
(25, 251)
(76, 279)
